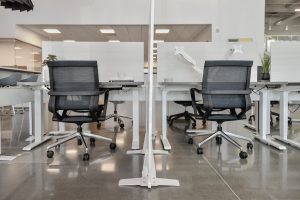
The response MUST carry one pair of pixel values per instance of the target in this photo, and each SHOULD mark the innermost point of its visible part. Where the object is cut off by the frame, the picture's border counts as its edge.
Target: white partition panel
(116, 61)
(285, 61)
(174, 68)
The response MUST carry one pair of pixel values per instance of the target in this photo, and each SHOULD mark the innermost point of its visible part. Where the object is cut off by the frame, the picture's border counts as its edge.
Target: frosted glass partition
(116, 61)
(285, 61)
(20, 55)
(175, 68)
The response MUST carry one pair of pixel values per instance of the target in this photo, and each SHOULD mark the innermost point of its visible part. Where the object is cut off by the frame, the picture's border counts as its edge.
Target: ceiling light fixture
(18, 48)
(297, 10)
(270, 28)
(162, 31)
(113, 40)
(158, 41)
(48, 30)
(287, 28)
(107, 31)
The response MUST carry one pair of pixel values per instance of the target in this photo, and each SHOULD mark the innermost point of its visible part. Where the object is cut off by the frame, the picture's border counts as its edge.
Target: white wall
(116, 61)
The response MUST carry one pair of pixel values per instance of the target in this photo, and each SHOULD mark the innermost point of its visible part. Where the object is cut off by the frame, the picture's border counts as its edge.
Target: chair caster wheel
(250, 121)
(112, 146)
(190, 141)
(50, 154)
(249, 146)
(98, 125)
(92, 141)
(277, 119)
(194, 125)
(122, 126)
(199, 150)
(218, 140)
(243, 155)
(57, 146)
(79, 142)
(204, 122)
(86, 157)
(290, 122)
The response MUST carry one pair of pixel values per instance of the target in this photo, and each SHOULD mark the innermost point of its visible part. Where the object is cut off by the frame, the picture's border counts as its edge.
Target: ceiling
(281, 18)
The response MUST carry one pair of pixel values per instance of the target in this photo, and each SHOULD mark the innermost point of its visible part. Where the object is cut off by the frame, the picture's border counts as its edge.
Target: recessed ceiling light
(107, 31)
(158, 41)
(47, 30)
(286, 28)
(154, 53)
(18, 48)
(69, 40)
(162, 31)
(35, 53)
(113, 40)
(297, 10)
(154, 48)
(19, 57)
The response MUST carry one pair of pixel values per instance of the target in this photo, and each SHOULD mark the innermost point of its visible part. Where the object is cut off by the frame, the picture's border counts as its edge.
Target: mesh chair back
(74, 76)
(231, 77)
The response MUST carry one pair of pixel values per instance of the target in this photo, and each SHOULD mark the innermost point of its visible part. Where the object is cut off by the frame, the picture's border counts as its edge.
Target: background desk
(120, 91)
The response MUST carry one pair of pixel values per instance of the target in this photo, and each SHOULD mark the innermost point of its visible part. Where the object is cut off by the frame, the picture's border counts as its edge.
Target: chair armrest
(74, 93)
(224, 92)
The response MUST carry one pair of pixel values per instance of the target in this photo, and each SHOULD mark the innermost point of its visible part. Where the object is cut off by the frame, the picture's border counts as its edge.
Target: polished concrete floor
(218, 174)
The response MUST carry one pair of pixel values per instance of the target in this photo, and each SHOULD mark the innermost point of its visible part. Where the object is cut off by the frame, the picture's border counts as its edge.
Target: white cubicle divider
(285, 61)
(175, 68)
(116, 61)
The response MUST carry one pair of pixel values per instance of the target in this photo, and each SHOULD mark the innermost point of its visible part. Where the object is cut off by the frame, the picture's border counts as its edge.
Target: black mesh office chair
(74, 86)
(225, 87)
(187, 116)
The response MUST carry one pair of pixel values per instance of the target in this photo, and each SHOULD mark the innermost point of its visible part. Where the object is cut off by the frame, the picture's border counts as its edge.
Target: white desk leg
(264, 121)
(38, 121)
(31, 136)
(284, 114)
(164, 122)
(135, 119)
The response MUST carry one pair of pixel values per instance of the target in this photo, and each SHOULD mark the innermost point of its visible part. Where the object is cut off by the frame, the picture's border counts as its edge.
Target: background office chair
(116, 115)
(74, 86)
(187, 116)
(272, 113)
(225, 86)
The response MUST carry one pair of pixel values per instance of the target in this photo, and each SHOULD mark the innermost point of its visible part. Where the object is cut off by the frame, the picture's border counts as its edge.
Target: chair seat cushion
(222, 117)
(75, 119)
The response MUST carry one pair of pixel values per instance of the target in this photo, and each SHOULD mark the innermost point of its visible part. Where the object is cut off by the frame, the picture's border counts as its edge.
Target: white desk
(182, 91)
(39, 132)
(128, 91)
(290, 92)
(267, 93)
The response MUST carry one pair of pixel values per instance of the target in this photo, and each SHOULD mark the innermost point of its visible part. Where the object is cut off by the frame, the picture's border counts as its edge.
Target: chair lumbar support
(219, 134)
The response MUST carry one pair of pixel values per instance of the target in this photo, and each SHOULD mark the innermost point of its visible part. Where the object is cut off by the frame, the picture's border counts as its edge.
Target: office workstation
(149, 99)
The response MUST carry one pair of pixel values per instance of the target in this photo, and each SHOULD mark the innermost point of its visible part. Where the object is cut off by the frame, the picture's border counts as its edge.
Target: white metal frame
(148, 178)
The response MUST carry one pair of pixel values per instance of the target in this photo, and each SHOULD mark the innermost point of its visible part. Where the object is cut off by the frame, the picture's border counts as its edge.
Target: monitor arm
(180, 51)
